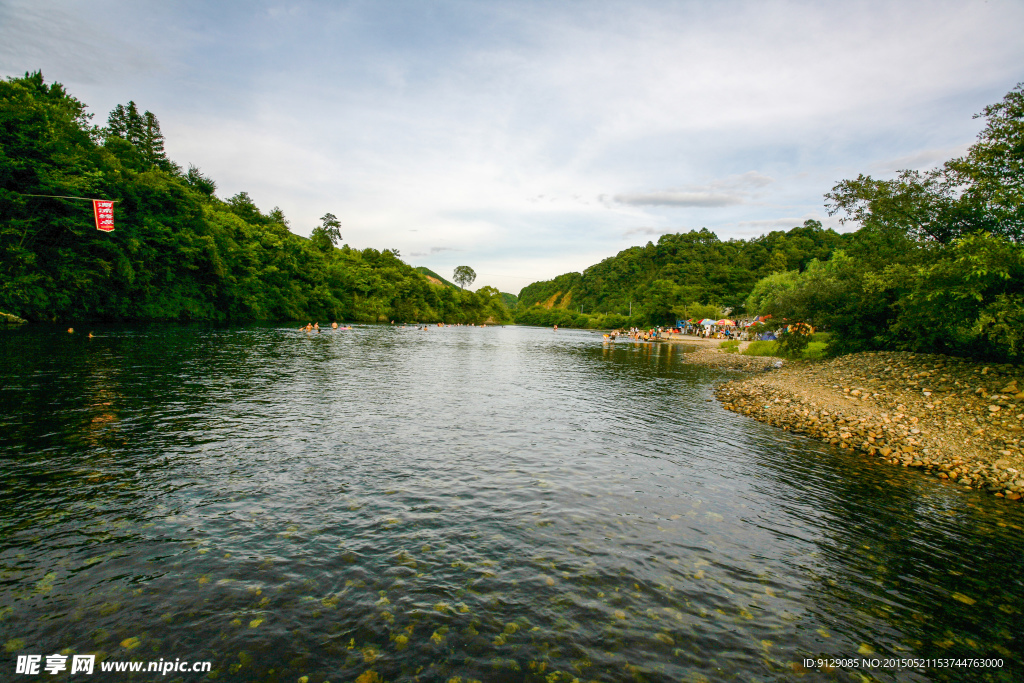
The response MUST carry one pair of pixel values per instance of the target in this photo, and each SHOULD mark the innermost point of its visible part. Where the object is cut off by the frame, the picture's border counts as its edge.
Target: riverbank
(955, 419)
(709, 354)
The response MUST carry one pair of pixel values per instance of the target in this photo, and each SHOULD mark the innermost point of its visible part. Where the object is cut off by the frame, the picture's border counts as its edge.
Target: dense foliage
(178, 252)
(682, 276)
(938, 262)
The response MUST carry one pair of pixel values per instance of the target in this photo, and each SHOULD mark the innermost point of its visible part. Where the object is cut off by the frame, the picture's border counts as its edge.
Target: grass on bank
(814, 351)
(730, 346)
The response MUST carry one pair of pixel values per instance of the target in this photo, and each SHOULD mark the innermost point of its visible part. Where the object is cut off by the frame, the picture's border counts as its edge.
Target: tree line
(685, 275)
(936, 263)
(178, 252)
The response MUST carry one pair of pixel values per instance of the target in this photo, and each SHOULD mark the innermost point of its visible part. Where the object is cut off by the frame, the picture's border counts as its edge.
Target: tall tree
(980, 191)
(991, 174)
(142, 131)
(464, 276)
(328, 233)
(152, 143)
(200, 182)
(126, 123)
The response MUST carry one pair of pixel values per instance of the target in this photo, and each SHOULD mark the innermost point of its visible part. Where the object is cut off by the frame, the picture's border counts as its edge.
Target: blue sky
(528, 139)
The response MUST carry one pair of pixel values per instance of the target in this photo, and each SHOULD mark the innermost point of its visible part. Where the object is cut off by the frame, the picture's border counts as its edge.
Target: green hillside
(658, 281)
(177, 252)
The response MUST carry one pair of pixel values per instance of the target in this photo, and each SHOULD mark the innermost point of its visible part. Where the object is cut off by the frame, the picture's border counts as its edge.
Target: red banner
(104, 212)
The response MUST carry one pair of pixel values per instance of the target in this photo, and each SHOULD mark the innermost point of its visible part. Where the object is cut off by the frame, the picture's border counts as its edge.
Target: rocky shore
(955, 419)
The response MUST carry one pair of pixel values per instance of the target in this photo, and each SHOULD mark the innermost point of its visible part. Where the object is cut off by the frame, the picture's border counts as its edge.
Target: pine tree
(126, 123)
(141, 130)
(152, 140)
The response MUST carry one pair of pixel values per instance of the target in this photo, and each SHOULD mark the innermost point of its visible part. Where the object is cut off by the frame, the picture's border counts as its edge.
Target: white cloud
(648, 231)
(922, 160)
(669, 198)
(723, 192)
(752, 228)
(68, 46)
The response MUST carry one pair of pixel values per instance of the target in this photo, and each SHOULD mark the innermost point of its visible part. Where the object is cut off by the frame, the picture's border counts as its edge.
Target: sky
(529, 139)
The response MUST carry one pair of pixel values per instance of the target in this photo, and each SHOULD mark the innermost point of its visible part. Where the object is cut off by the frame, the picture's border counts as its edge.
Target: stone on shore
(955, 419)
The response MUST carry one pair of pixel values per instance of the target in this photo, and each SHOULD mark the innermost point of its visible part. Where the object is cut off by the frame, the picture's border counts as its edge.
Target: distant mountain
(510, 300)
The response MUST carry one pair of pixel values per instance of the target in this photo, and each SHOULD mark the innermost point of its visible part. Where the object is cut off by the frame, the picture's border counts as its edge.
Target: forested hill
(687, 268)
(177, 252)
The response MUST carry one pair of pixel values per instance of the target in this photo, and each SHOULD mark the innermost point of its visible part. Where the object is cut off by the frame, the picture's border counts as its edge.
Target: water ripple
(464, 503)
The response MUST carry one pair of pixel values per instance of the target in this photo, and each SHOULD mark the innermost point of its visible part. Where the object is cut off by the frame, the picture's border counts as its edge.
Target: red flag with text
(104, 212)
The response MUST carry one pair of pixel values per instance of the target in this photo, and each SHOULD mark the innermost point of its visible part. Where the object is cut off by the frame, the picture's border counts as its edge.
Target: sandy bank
(956, 419)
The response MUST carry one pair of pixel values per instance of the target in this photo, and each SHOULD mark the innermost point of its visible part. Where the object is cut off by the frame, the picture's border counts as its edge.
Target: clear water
(471, 504)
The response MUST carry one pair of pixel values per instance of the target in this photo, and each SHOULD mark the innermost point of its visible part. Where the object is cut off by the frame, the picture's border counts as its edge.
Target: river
(491, 504)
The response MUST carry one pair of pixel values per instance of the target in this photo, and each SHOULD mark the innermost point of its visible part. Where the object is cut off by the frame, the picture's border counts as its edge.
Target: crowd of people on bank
(702, 331)
(715, 332)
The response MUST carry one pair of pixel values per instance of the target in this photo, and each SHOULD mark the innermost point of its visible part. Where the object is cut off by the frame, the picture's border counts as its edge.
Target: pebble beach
(956, 419)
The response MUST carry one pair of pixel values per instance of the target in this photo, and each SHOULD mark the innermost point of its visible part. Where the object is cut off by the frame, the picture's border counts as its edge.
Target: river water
(459, 504)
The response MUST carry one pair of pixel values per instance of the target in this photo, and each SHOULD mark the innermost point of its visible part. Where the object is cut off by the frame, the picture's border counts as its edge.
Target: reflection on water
(465, 504)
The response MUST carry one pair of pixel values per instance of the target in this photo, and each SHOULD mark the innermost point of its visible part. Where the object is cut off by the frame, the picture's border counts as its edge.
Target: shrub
(793, 344)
